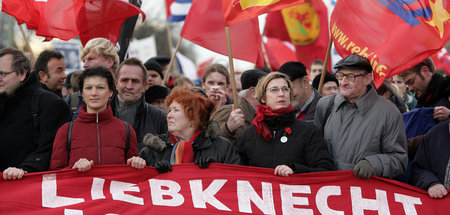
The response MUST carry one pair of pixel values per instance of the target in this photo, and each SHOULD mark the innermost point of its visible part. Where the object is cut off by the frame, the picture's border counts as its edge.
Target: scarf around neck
(265, 112)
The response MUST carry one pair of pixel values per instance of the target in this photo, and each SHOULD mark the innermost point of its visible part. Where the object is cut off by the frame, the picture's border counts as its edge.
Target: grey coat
(370, 129)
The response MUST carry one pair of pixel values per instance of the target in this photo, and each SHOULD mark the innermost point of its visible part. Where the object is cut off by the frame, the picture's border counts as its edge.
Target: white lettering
(288, 200)
(408, 203)
(322, 200)
(118, 188)
(157, 192)
(49, 197)
(359, 204)
(247, 194)
(97, 188)
(200, 197)
(72, 212)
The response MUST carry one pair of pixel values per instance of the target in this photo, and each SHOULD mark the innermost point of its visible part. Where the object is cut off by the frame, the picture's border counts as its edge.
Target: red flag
(239, 10)
(442, 60)
(393, 35)
(305, 26)
(204, 26)
(279, 52)
(67, 19)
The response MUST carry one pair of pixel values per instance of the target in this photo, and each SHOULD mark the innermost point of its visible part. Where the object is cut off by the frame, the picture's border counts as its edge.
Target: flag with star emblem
(393, 35)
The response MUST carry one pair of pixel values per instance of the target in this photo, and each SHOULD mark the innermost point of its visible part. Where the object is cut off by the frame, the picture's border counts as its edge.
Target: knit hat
(354, 61)
(328, 77)
(152, 64)
(162, 60)
(293, 69)
(251, 77)
(156, 92)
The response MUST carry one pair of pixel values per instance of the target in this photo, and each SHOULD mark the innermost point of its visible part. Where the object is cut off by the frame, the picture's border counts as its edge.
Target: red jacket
(100, 137)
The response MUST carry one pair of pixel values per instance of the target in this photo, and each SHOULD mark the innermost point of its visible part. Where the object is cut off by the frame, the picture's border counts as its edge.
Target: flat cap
(293, 69)
(251, 77)
(354, 61)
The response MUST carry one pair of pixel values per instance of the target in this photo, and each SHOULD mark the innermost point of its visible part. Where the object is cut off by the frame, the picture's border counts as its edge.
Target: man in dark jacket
(29, 117)
(305, 97)
(432, 89)
(129, 103)
(50, 66)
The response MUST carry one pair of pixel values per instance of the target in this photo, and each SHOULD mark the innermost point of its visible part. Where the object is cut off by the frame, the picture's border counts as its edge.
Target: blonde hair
(102, 47)
(261, 87)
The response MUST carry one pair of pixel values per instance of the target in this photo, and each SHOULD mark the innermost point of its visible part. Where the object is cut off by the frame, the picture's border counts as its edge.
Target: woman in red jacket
(96, 136)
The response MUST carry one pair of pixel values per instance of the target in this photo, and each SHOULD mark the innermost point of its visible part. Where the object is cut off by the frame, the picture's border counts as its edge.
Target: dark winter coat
(437, 92)
(149, 119)
(205, 145)
(20, 145)
(304, 151)
(100, 137)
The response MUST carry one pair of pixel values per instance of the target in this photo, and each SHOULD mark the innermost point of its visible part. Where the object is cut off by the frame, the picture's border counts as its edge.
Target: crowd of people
(115, 112)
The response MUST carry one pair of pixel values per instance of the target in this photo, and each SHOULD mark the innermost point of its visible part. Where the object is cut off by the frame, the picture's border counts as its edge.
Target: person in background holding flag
(432, 90)
(305, 97)
(277, 139)
(216, 83)
(191, 138)
(363, 130)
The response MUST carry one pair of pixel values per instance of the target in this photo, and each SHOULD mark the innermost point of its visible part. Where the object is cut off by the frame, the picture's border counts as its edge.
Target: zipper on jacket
(98, 142)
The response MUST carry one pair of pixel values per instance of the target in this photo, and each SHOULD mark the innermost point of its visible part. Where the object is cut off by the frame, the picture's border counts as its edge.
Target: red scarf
(266, 112)
(184, 152)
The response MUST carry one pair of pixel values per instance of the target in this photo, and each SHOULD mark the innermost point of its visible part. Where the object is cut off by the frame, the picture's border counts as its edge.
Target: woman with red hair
(191, 138)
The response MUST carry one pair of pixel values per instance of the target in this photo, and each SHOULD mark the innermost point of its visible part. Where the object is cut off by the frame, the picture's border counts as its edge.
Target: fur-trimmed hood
(160, 142)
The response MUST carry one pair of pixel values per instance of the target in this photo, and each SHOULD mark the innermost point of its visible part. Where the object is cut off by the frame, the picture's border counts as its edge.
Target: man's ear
(42, 76)
(203, 86)
(425, 71)
(305, 82)
(23, 75)
(368, 78)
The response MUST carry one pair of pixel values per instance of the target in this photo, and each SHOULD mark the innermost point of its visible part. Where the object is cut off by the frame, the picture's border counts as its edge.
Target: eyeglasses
(350, 77)
(3, 74)
(276, 90)
(411, 81)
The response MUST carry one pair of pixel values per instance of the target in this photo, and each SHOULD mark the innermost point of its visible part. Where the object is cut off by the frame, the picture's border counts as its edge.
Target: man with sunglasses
(364, 131)
(432, 89)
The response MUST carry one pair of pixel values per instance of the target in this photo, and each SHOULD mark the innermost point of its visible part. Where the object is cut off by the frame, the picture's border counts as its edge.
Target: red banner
(239, 10)
(67, 19)
(393, 35)
(219, 189)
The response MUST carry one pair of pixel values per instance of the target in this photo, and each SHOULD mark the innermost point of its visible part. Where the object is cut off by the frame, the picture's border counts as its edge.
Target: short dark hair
(416, 69)
(97, 71)
(217, 68)
(316, 62)
(44, 58)
(19, 61)
(133, 62)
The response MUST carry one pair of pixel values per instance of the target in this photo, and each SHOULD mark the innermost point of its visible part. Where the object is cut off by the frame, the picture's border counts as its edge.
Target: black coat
(304, 151)
(149, 119)
(437, 93)
(17, 132)
(219, 148)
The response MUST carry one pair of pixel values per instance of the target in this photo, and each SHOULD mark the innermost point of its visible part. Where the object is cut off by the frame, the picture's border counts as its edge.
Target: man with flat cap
(234, 122)
(305, 97)
(364, 131)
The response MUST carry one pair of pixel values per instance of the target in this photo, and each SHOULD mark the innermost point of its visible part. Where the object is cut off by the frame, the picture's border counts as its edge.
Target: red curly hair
(197, 108)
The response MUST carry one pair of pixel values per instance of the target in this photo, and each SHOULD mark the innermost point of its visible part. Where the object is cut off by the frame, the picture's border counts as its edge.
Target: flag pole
(27, 43)
(266, 58)
(325, 65)
(172, 60)
(169, 39)
(230, 59)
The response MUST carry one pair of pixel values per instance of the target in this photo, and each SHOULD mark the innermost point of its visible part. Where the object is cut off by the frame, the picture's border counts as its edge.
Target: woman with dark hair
(96, 136)
(276, 139)
(191, 138)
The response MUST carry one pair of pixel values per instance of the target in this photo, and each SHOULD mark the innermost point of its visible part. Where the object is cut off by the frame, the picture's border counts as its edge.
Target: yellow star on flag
(440, 15)
(251, 3)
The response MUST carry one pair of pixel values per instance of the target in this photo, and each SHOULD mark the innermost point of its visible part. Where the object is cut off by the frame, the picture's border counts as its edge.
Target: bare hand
(437, 191)
(219, 96)
(13, 173)
(283, 170)
(136, 162)
(441, 113)
(235, 120)
(83, 165)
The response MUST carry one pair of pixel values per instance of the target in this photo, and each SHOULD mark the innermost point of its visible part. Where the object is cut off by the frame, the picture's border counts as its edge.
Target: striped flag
(177, 9)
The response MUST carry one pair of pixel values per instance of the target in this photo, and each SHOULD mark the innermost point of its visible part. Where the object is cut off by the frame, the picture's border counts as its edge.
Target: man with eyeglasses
(305, 97)
(431, 88)
(29, 117)
(364, 131)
